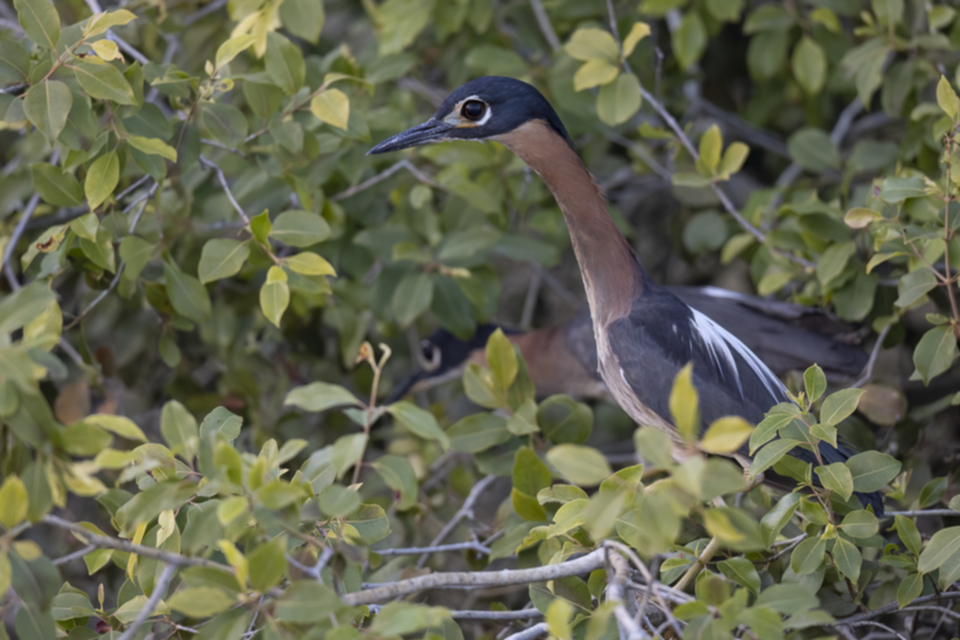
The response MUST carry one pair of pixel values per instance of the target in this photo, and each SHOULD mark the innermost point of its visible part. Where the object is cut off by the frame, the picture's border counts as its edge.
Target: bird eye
(473, 109)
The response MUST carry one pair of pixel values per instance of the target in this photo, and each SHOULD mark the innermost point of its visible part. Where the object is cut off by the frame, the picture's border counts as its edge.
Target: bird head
(483, 109)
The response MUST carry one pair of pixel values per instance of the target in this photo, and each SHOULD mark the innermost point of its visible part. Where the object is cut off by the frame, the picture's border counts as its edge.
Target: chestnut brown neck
(612, 276)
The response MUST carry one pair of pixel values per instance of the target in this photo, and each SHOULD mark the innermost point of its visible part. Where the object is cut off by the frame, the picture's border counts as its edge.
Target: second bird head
(488, 108)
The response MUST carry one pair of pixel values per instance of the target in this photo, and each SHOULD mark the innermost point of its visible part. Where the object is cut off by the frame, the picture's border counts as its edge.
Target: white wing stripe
(719, 342)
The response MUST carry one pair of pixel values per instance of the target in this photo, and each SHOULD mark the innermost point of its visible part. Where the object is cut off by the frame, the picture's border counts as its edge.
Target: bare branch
(79, 553)
(618, 574)
(94, 6)
(543, 21)
(226, 187)
(441, 548)
(220, 145)
(873, 623)
(159, 590)
(926, 513)
(701, 562)
(443, 580)
(523, 614)
(105, 542)
(15, 238)
(530, 633)
(216, 5)
(894, 606)
(465, 511)
(867, 374)
(383, 175)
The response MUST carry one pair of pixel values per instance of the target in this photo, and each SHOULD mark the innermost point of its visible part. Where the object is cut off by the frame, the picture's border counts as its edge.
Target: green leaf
(47, 104)
(401, 618)
(833, 261)
(300, 228)
(809, 65)
(619, 100)
(502, 359)
(872, 470)
(580, 465)
(909, 534)
(726, 435)
(684, 405)
(711, 145)
(331, 106)
(147, 505)
(914, 286)
(105, 82)
(320, 396)
(412, 297)
(153, 146)
(260, 226)
(894, 190)
(838, 406)
(564, 420)
(808, 556)
(189, 298)
(55, 185)
(942, 552)
(594, 73)
(813, 150)
(232, 48)
(777, 518)
(947, 98)
(303, 18)
(305, 601)
(268, 564)
(860, 218)
(419, 421)
(102, 178)
(909, 589)
(338, 501)
(654, 446)
(741, 571)
(284, 63)
(814, 382)
(733, 159)
(200, 602)
(123, 427)
(860, 524)
(14, 502)
(836, 477)
(592, 44)
(85, 439)
(40, 21)
(478, 432)
(136, 253)
(179, 429)
(530, 474)
(100, 22)
(275, 295)
(770, 454)
(847, 558)
(689, 40)
(935, 352)
(310, 264)
(221, 258)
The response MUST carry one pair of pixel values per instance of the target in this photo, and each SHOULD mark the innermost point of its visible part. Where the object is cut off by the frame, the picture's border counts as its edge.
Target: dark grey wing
(776, 330)
(662, 334)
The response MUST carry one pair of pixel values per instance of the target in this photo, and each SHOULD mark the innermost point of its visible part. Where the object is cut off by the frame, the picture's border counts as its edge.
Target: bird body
(644, 334)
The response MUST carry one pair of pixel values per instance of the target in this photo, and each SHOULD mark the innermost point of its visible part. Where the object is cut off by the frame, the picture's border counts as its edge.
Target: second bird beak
(430, 131)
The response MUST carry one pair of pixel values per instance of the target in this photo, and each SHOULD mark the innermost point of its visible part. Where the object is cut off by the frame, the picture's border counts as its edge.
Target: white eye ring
(483, 120)
(435, 356)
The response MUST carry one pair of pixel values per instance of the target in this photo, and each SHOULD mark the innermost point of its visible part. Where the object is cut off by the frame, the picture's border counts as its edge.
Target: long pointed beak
(430, 131)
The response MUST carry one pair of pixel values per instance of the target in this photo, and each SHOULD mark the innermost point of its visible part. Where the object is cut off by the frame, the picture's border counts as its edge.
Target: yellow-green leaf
(106, 50)
(200, 602)
(102, 178)
(592, 44)
(947, 98)
(102, 80)
(331, 106)
(100, 22)
(733, 159)
(726, 435)
(710, 146)
(619, 100)
(310, 264)
(47, 105)
(40, 21)
(860, 217)
(14, 502)
(153, 146)
(594, 73)
(221, 258)
(638, 32)
(684, 405)
(232, 48)
(275, 295)
(809, 65)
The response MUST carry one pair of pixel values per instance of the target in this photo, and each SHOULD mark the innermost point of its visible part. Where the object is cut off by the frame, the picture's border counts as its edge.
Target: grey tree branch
(15, 239)
(226, 187)
(443, 580)
(463, 512)
(94, 6)
(618, 575)
(543, 21)
(867, 374)
(441, 548)
(947, 513)
(523, 614)
(383, 175)
(105, 542)
(159, 590)
(530, 633)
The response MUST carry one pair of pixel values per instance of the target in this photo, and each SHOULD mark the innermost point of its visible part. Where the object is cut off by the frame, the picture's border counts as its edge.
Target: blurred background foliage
(191, 229)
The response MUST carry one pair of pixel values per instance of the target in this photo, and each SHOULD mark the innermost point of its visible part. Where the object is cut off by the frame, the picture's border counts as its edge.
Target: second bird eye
(474, 109)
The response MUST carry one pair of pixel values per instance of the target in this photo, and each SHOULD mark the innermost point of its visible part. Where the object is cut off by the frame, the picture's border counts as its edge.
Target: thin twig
(216, 5)
(874, 623)
(894, 606)
(441, 548)
(383, 175)
(617, 577)
(220, 145)
(925, 513)
(226, 187)
(543, 21)
(118, 544)
(867, 374)
(159, 590)
(523, 614)
(702, 560)
(70, 557)
(453, 579)
(465, 511)
(15, 238)
(530, 633)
